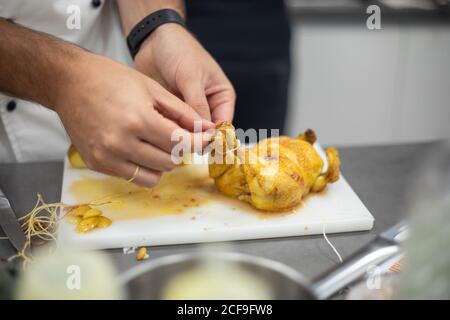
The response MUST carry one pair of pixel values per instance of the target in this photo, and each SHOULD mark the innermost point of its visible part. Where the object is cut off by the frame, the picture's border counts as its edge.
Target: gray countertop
(380, 176)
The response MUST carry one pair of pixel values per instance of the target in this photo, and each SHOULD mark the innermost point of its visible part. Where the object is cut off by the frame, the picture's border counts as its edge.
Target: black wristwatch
(147, 25)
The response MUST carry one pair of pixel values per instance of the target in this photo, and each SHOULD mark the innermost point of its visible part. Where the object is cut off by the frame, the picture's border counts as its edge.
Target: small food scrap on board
(142, 254)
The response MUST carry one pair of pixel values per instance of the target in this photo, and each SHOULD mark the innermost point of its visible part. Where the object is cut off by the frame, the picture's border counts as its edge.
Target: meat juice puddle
(180, 191)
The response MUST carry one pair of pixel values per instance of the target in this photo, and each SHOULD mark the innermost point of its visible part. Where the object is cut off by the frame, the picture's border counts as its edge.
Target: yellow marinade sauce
(185, 187)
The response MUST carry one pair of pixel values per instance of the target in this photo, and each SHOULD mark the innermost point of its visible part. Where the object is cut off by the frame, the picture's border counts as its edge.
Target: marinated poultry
(273, 175)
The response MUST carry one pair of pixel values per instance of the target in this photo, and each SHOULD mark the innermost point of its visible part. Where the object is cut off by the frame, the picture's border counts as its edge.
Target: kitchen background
(358, 86)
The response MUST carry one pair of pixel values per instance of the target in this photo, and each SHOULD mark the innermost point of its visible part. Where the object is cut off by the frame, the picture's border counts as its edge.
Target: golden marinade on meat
(274, 174)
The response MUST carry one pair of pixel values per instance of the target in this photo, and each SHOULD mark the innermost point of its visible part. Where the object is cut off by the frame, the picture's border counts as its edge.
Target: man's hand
(174, 58)
(118, 118)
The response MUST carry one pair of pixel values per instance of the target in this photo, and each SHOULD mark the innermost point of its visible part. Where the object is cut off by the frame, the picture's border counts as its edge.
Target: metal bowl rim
(276, 266)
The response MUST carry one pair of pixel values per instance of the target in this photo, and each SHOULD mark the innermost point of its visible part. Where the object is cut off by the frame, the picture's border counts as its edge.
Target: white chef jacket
(29, 131)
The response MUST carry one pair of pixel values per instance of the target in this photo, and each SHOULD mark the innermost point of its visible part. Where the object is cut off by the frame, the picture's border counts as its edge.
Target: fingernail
(202, 125)
(208, 124)
(209, 134)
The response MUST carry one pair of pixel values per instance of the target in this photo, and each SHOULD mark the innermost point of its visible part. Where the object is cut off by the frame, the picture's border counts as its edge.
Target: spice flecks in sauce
(185, 188)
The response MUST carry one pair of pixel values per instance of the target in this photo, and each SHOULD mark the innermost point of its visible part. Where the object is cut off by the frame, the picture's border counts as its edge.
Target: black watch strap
(147, 25)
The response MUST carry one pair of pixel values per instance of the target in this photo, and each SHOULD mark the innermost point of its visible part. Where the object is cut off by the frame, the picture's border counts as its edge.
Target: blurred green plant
(427, 272)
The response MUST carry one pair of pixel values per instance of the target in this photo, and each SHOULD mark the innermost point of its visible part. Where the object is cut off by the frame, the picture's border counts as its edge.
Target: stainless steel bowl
(147, 280)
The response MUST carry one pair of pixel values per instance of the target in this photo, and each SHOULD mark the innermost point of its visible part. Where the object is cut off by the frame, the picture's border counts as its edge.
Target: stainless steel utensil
(147, 280)
(385, 246)
(10, 224)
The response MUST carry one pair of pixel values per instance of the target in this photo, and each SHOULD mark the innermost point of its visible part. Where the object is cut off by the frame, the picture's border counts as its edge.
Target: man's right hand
(118, 118)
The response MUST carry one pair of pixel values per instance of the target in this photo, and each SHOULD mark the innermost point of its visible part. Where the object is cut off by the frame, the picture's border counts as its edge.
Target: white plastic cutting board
(222, 219)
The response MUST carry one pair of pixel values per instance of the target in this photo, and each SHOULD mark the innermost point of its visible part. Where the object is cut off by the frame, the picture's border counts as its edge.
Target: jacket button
(11, 106)
(96, 3)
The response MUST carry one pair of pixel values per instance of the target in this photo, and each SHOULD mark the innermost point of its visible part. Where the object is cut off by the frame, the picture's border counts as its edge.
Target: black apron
(250, 39)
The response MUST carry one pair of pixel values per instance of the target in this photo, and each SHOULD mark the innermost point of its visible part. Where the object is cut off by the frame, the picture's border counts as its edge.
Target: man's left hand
(174, 58)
